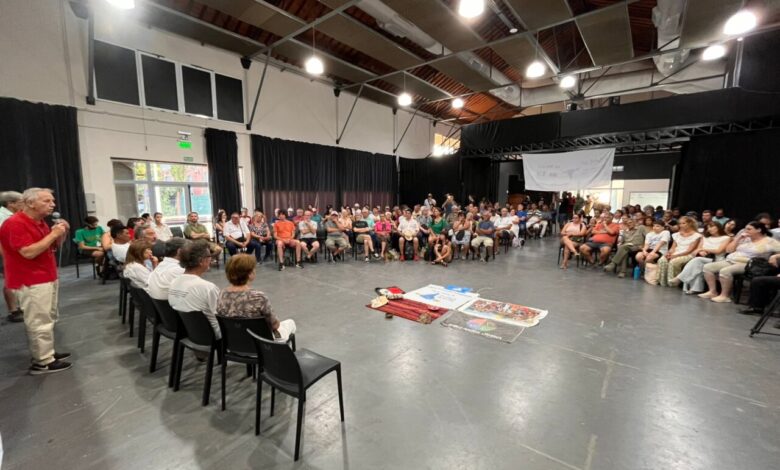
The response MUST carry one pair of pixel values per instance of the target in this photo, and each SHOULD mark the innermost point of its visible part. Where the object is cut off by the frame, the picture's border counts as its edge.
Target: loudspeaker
(516, 184)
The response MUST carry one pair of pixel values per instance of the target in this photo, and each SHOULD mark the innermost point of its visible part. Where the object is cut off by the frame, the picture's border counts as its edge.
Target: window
(174, 189)
(198, 98)
(116, 78)
(230, 98)
(444, 146)
(160, 88)
(145, 79)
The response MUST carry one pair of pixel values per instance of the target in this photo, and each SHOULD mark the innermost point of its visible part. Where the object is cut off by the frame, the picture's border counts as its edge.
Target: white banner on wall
(564, 171)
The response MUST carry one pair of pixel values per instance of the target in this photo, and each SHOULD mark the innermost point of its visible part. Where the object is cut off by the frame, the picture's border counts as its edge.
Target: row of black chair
(248, 341)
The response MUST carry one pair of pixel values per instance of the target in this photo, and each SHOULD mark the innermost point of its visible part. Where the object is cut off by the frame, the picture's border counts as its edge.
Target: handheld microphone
(56, 217)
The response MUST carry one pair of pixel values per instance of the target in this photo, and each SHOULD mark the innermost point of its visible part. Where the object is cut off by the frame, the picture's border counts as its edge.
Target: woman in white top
(137, 269)
(684, 245)
(711, 247)
(752, 242)
(572, 236)
(655, 244)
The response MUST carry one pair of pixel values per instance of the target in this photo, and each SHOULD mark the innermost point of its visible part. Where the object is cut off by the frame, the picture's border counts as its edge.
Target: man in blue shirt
(485, 230)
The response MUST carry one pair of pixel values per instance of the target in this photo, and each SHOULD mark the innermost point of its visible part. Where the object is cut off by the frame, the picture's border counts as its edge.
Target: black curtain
(222, 158)
(297, 174)
(736, 172)
(435, 175)
(39, 147)
(480, 178)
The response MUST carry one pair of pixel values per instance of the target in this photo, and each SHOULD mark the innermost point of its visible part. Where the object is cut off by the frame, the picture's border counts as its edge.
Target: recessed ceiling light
(457, 103)
(471, 8)
(568, 81)
(404, 99)
(314, 66)
(715, 51)
(512, 30)
(535, 70)
(740, 22)
(122, 4)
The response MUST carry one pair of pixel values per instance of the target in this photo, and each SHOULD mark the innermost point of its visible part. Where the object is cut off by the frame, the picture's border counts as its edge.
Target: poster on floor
(500, 331)
(505, 312)
(441, 297)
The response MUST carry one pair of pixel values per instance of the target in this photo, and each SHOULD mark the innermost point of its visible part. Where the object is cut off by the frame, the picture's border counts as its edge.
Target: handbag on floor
(651, 274)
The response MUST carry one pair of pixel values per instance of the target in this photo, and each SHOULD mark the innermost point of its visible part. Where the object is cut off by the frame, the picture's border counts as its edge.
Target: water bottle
(637, 272)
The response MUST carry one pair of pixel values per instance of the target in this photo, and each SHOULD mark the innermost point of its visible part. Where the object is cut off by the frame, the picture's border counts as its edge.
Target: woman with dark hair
(106, 240)
(765, 219)
(132, 224)
(572, 236)
(752, 242)
(219, 226)
(139, 263)
(732, 227)
(239, 300)
(711, 248)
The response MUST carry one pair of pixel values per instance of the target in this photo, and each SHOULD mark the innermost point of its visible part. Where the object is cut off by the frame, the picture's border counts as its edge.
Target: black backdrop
(449, 174)
(39, 147)
(222, 158)
(737, 172)
(296, 174)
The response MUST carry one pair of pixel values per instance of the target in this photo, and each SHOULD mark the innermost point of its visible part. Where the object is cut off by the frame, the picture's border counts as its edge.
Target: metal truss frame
(648, 141)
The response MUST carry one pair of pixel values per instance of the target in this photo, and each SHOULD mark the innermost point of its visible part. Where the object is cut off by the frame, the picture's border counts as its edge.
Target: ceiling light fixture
(715, 51)
(739, 23)
(457, 103)
(536, 69)
(122, 4)
(313, 64)
(568, 81)
(512, 30)
(404, 99)
(471, 8)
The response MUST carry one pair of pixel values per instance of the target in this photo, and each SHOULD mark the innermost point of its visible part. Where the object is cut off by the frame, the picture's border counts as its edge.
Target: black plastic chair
(292, 373)
(147, 313)
(85, 257)
(177, 232)
(124, 292)
(238, 346)
(201, 338)
(171, 327)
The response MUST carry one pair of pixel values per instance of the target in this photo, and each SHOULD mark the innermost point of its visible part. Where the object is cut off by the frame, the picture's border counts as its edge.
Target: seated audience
(409, 228)
(504, 226)
(190, 292)
(572, 236)
(462, 229)
(132, 224)
(535, 225)
(239, 300)
(148, 234)
(670, 222)
(603, 237)
(656, 244)
(424, 220)
(245, 217)
(337, 241)
(261, 233)
(284, 234)
(732, 227)
(452, 215)
(298, 216)
(438, 225)
(168, 270)
(219, 226)
(307, 229)
(752, 242)
(194, 230)
(633, 239)
(712, 247)
(120, 242)
(88, 239)
(383, 229)
(763, 289)
(137, 264)
(162, 231)
(720, 217)
(522, 219)
(683, 249)
(765, 219)
(485, 234)
(238, 237)
(105, 239)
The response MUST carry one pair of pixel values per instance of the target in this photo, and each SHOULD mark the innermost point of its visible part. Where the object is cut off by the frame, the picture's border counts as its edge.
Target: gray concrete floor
(620, 375)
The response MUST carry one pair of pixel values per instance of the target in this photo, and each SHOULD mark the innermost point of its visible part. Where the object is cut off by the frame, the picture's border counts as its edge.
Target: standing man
(429, 201)
(11, 203)
(31, 270)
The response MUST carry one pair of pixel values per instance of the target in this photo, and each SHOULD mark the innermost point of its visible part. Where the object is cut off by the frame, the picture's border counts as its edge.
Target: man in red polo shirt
(28, 245)
(602, 237)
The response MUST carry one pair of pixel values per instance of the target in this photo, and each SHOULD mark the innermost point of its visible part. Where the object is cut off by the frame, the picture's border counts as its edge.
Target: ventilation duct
(667, 18)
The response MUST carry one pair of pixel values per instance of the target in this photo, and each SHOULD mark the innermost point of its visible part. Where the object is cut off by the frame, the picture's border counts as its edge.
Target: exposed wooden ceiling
(357, 47)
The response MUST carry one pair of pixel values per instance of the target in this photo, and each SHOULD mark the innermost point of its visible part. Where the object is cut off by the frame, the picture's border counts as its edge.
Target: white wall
(43, 58)
(645, 186)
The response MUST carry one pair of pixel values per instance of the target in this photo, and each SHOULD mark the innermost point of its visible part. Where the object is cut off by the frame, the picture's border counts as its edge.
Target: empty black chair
(177, 232)
(147, 313)
(237, 345)
(200, 337)
(85, 257)
(171, 327)
(292, 373)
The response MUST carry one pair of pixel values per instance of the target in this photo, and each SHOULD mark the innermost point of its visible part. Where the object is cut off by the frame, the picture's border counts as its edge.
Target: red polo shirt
(16, 233)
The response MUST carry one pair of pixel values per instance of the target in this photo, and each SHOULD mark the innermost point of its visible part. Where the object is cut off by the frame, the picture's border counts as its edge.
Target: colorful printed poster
(505, 312)
(439, 296)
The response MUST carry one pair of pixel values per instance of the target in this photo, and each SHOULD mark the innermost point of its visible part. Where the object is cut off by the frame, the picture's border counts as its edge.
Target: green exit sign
(185, 144)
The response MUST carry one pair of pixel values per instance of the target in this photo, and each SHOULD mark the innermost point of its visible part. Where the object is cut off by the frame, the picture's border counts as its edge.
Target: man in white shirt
(408, 227)
(121, 242)
(163, 231)
(237, 236)
(10, 203)
(190, 292)
(167, 271)
(504, 225)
